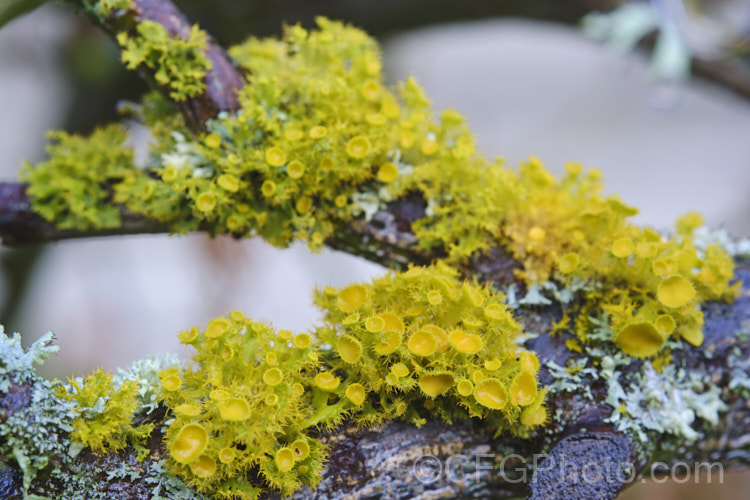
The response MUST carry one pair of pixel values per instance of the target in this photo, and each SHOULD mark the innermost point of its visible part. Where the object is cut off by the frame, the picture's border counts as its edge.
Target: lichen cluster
(242, 406)
(71, 187)
(410, 338)
(45, 425)
(319, 140)
(104, 413)
(178, 63)
(406, 346)
(651, 286)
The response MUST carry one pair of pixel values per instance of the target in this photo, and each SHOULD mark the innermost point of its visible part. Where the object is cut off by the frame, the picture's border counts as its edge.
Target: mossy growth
(320, 140)
(105, 413)
(407, 346)
(179, 64)
(72, 187)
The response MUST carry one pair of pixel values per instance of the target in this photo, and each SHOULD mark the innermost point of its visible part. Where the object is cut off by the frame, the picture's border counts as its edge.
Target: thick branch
(579, 455)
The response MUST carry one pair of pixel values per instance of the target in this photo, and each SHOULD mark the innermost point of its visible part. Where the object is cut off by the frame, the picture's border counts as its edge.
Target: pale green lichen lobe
(178, 63)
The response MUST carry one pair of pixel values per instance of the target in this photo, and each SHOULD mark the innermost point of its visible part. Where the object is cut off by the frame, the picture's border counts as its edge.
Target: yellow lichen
(435, 385)
(273, 376)
(365, 144)
(492, 394)
(675, 291)
(640, 339)
(523, 389)
(203, 467)
(327, 381)
(465, 342)
(408, 355)
(356, 393)
(284, 459)
(189, 443)
(234, 409)
(179, 63)
(421, 343)
(351, 298)
(349, 349)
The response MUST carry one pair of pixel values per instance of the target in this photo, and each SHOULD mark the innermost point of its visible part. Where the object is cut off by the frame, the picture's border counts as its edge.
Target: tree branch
(464, 460)
(385, 461)
(11, 9)
(20, 225)
(222, 80)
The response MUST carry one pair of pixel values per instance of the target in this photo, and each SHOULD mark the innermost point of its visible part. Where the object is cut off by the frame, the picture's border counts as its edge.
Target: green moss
(179, 64)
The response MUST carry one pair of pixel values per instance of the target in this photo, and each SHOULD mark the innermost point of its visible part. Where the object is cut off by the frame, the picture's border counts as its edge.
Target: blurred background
(616, 92)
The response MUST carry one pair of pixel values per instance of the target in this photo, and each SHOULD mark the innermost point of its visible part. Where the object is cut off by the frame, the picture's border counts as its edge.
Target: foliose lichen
(178, 63)
(46, 430)
(71, 188)
(105, 411)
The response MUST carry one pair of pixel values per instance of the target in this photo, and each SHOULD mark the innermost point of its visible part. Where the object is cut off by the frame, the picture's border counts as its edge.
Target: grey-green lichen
(37, 435)
(34, 434)
(647, 397)
(667, 403)
(146, 373)
(739, 365)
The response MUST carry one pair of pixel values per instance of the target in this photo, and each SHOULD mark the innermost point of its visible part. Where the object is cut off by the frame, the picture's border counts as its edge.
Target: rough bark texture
(387, 462)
